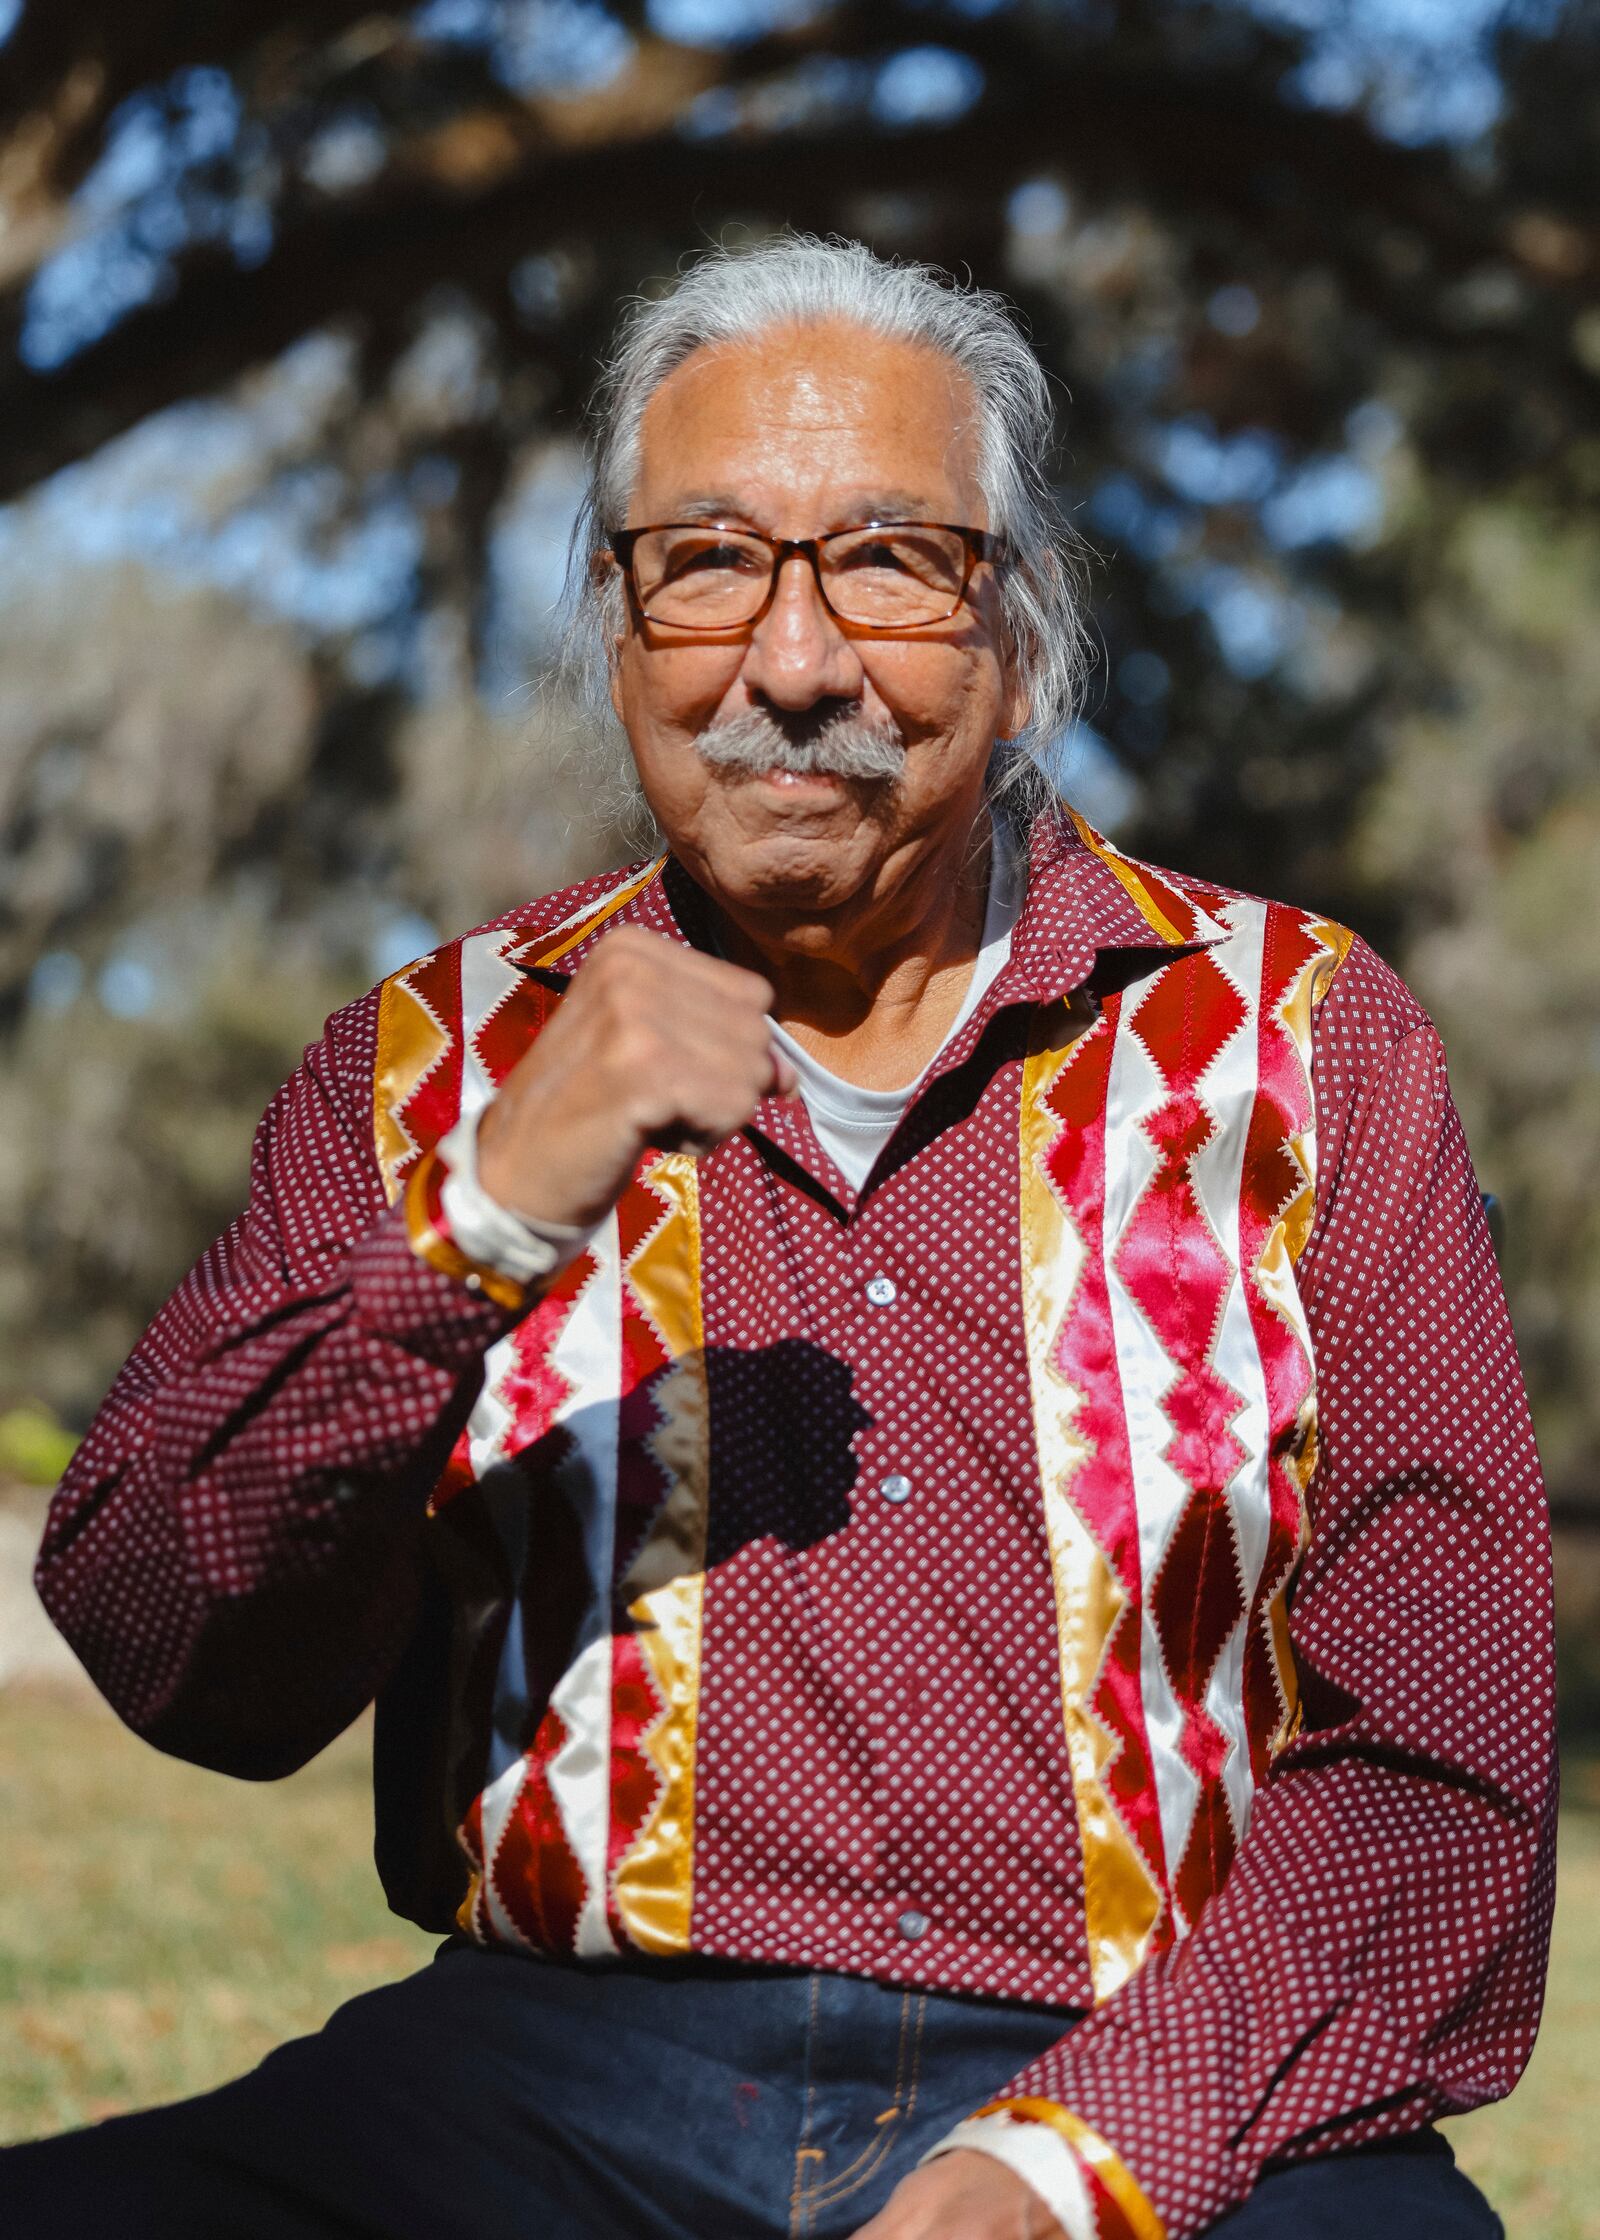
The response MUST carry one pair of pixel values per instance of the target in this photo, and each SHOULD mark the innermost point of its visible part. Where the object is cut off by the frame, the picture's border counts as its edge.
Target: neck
(873, 990)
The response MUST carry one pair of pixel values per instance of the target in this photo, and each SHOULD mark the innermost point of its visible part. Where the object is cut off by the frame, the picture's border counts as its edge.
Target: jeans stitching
(831, 2194)
(835, 2189)
(799, 2221)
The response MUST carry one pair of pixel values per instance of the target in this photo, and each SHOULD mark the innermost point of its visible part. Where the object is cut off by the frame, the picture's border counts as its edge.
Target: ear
(606, 586)
(1016, 706)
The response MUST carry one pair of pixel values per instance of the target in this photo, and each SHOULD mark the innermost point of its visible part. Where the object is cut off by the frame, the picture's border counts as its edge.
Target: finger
(716, 1057)
(690, 967)
(699, 1111)
(695, 1139)
(739, 1051)
(685, 1146)
(710, 980)
(673, 1017)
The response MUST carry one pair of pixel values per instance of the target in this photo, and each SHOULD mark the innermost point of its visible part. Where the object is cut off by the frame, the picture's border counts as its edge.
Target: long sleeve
(233, 1552)
(1376, 1957)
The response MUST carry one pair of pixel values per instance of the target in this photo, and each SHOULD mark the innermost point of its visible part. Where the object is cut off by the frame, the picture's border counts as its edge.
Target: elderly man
(910, 1421)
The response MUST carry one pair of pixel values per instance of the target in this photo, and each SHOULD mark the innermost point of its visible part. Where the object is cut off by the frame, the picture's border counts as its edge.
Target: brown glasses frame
(981, 544)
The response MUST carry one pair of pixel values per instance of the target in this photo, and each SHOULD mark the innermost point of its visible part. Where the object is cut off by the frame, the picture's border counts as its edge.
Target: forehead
(807, 421)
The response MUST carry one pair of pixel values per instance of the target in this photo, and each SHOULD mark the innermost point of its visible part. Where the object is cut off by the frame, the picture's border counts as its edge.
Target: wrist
(1036, 2159)
(494, 1240)
(501, 1168)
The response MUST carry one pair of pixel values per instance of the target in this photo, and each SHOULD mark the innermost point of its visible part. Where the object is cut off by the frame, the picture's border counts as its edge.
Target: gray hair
(733, 295)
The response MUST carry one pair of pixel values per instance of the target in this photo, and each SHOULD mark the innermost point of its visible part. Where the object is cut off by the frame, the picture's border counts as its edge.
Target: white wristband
(489, 1232)
(1038, 2155)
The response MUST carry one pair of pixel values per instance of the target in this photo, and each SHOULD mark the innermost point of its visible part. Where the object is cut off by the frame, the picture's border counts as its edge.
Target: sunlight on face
(806, 430)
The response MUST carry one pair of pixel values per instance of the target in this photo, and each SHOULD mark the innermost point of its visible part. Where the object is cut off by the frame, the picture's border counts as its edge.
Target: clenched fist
(653, 1046)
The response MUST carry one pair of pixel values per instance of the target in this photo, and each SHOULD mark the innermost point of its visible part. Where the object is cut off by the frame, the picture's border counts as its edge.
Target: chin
(791, 869)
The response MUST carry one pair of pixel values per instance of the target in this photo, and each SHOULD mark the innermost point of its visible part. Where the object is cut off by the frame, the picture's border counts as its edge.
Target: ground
(161, 1928)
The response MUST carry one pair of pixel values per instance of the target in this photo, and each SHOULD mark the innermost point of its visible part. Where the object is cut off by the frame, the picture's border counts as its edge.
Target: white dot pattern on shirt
(233, 1555)
(818, 1824)
(1421, 1629)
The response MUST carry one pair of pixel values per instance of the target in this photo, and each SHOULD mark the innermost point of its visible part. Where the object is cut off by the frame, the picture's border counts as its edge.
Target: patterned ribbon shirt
(1101, 1561)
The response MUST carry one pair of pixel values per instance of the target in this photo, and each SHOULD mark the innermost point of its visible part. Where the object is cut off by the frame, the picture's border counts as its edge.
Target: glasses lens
(700, 578)
(904, 574)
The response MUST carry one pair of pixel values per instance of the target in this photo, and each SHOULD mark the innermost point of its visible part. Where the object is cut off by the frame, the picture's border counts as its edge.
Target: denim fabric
(492, 2098)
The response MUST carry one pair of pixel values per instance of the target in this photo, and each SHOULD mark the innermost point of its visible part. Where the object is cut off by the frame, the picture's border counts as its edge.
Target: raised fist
(653, 1045)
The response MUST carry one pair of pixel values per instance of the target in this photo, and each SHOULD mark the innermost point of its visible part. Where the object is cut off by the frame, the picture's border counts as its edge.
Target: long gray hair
(734, 295)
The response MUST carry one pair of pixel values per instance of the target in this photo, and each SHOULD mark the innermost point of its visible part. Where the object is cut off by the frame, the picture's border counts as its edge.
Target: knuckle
(641, 1049)
(619, 954)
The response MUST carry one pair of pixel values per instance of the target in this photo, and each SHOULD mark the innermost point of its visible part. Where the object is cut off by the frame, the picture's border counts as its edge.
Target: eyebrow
(856, 506)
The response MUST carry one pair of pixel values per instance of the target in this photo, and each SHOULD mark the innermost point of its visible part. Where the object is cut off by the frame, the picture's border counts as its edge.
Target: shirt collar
(1084, 897)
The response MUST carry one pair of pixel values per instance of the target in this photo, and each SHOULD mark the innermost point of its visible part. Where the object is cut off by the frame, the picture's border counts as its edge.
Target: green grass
(1537, 2155)
(161, 1928)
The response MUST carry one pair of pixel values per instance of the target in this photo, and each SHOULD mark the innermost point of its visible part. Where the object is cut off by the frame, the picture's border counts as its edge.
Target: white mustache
(846, 746)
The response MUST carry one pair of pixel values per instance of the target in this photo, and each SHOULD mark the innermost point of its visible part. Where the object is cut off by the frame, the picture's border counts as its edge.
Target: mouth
(800, 781)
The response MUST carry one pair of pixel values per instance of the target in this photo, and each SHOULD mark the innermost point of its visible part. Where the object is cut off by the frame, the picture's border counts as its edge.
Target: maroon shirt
(243, 1555)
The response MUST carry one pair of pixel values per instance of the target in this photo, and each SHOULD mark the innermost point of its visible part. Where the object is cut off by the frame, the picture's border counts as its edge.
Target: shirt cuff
(1039, 2156)
(1088, 2189)
(490, 1234)
(433, 1310)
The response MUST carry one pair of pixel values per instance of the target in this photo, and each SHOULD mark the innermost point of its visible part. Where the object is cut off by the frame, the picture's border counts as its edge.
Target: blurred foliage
(298, 306)
(34, 1447)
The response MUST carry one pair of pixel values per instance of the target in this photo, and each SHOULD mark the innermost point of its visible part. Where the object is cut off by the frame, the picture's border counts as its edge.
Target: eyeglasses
(882, 575)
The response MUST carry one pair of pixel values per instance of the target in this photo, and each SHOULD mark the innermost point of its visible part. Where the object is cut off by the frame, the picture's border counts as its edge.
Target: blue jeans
(492, 2098)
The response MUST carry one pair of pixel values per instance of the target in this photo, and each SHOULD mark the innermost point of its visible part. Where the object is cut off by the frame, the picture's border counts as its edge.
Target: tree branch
(1307, 187)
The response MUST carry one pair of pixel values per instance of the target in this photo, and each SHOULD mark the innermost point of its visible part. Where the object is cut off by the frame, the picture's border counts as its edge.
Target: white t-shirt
(853, 1124)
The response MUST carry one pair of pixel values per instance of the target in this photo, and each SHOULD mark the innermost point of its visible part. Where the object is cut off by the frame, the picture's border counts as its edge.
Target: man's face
(806, 430)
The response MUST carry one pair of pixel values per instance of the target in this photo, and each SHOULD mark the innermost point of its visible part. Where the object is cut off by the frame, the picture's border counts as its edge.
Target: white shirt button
(913, 1925)
(882, 1292)
(896, 1487)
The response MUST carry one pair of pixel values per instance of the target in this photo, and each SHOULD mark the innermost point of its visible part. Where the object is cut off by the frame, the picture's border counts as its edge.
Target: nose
(797, 654)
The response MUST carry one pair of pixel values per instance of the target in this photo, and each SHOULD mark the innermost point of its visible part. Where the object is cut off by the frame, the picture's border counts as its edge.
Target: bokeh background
(299, 302)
